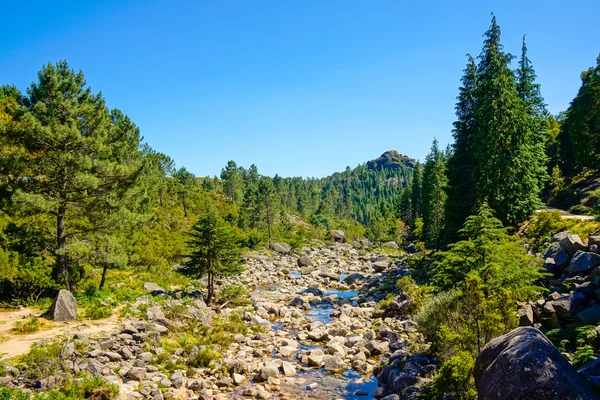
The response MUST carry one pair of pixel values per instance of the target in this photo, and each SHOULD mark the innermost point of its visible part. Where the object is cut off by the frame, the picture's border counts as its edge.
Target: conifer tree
(434, 195)
(461, 165)
(508, 160)
(416, 192)
(214, 251)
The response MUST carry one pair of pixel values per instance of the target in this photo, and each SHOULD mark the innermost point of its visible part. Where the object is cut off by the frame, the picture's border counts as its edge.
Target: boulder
(590, 316)
(411, 248)
(594, 241)
(582, 263)
(524, 364)
(557, 237)
(353, 278)
(526, 315)
(334, 364)
(337, 236)
(153, 288)
(390, 245)
(572, 244)
(380, 266)
(281, 248)
(304, 261)
(266, 372)
(64, 307)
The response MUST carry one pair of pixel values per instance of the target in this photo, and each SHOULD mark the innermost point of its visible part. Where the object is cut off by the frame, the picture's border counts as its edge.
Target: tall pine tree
(461, 165)
(434, 195)
(508, 160)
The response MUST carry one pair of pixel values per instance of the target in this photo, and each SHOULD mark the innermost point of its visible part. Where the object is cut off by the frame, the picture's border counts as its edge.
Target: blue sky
(296, 87)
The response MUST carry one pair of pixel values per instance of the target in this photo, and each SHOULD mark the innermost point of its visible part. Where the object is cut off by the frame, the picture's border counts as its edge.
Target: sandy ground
(568, 215)
(12, 345)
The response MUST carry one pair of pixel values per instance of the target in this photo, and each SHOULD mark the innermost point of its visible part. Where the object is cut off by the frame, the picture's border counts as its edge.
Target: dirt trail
(12, 345)
(567, 215)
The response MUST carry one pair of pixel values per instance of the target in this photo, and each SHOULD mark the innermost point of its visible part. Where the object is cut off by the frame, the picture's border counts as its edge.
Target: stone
(315, 358)
(380, 266)
(304, 261)
(155, 312)
(281, 248)
(288, 369)
(67, 350)
(524, 364)
(582, 262)
(177, 379)
(590, 316)
(526, 315)
(411, 248)
(64, 307)
(137, 373)
(557, 237)
(572, 244)
(264, 373)
(153, 288)
(390, 245)
(594, 240)
(337, 236)
(238, 379)
(334, 364)
(354, 278)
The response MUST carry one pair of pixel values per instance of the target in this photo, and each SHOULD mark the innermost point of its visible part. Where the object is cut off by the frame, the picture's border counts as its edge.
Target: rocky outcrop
(64, 307)
(524, 364)
(281, 248)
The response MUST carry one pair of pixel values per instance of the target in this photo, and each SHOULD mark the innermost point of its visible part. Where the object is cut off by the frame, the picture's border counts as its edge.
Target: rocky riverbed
(317, 333)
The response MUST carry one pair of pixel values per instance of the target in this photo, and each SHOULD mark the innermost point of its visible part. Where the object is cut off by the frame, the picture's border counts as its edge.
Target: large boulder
(304, 261)
(390, 245)
(572, 244)
(524, 364)
(153, 288)
(281, 248)
(353, 278)
(337, 236)
(64, 307)
(582, 263)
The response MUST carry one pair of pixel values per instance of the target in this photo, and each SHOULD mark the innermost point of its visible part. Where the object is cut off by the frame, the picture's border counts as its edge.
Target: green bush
(97, 310)
(24, 278)
(582, 355)
(42, 361)
(73, 389)
(24, 328)
(580, 209)
(205, 357)
(236, 295)
(455, 378)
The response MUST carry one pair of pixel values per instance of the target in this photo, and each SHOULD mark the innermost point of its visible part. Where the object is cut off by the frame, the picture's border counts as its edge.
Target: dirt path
(12, 345)
(566, 215)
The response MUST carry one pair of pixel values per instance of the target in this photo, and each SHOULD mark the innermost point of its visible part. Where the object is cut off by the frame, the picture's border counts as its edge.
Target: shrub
(205, 357)
(455, 377)
(582, 355)
(97, 310)
(236, 295)
(42, 361)
(24, 278)
(24, 328)
(580, 209)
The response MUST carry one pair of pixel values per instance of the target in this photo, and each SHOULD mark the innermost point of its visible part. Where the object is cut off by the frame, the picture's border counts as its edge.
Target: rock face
(524, 364)
(64, 307)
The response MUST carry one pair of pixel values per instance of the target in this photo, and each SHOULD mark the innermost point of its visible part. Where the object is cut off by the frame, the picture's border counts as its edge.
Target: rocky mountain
(391, 159)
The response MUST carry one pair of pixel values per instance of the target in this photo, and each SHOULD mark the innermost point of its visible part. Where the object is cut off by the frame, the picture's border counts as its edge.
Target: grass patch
(26, 328)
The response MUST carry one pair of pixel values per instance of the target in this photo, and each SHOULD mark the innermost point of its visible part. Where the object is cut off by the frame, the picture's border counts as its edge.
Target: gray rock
(380, 266)
(582, 262)
(590, 316)
(572, 244)
(177, 379)
(334, 364)
(556, 238)
(411, 248)
(153, 288)
(337, 236)
(390, 245)
(282, 248)
(354, 278)
(304, 261)
(137, 373)
(288, 369)
(524, 364)
(266, 372)
(64, 307)
(594, 240)
(238, 379)
(526, 315)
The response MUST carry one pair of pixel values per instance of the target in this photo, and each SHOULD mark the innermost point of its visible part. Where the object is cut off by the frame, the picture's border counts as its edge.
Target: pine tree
(508, 160)
(86, 159)
(232, 183)
(266, 194)
(434, 195)
(416, 192)
(461, 165)
(581, 138)
(185, 181)
(214, 251)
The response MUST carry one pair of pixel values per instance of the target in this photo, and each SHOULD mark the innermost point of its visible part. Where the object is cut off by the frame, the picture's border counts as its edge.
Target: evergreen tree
(581, 138)
(417, 192)
(214, 251)
(461, 165)
(232, 183)
(186, 181)
(266, 193)
(85, 160)
(508, 159)
(434, 195)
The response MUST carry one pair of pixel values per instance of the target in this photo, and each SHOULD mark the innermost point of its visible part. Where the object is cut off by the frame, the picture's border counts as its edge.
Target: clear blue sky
(296, 87)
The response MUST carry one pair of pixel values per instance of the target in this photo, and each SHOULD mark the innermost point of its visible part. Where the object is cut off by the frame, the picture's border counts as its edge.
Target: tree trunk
(61, 239)
(210, 288)
(103, 276)
(185, 214)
